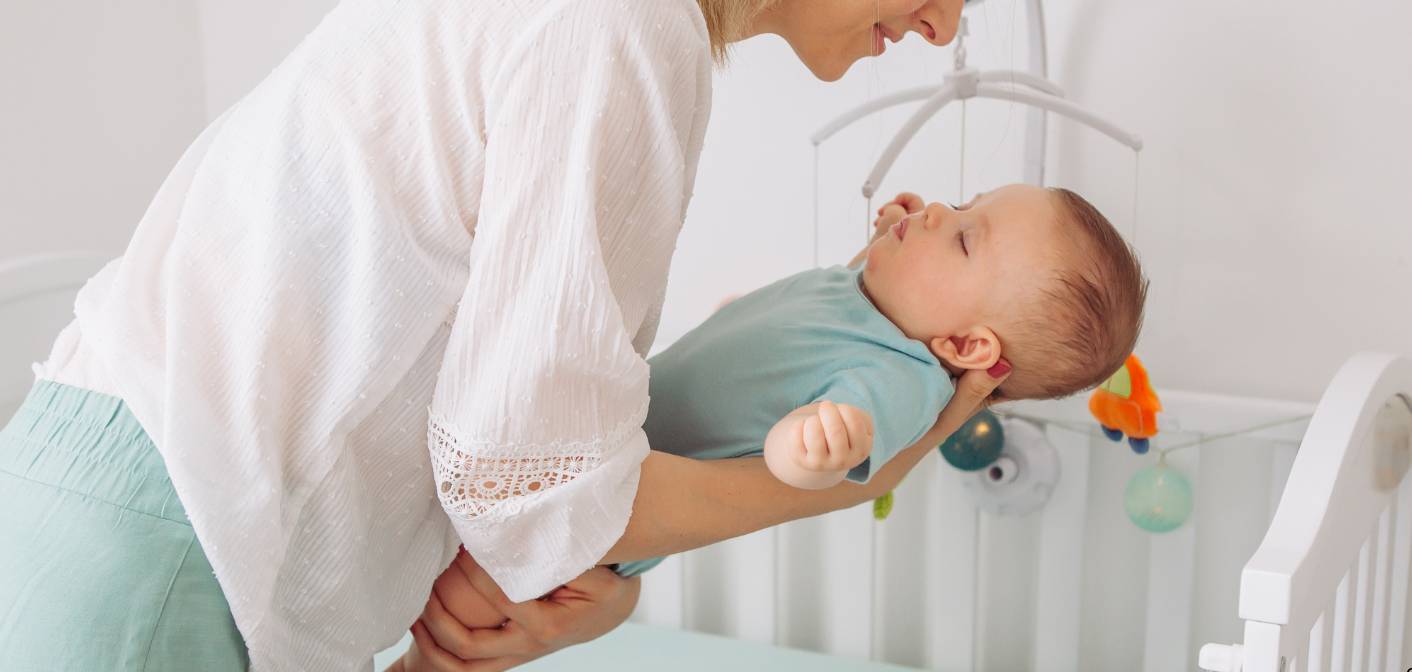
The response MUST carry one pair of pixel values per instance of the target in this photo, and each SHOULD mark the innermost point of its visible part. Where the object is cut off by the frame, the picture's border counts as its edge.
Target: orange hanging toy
(1126, 404)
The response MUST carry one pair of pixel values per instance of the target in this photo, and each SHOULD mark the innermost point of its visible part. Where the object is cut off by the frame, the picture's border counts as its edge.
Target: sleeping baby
(831, 372)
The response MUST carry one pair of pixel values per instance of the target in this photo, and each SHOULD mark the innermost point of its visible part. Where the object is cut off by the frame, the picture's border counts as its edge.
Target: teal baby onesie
(810, 337)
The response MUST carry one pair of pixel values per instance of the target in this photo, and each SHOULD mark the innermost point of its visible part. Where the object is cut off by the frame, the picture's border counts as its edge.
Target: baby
(831, 372)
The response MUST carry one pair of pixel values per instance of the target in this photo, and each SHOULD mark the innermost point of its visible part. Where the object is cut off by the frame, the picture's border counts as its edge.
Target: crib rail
(1326, 591)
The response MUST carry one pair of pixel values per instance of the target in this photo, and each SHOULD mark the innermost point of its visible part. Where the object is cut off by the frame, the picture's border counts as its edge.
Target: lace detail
(476, 477)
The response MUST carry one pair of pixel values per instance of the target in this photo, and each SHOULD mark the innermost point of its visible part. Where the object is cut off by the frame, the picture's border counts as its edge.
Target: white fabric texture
(285, 321)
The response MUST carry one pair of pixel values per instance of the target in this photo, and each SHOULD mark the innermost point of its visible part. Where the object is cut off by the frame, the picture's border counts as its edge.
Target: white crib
(1327, 589)
(1075, 586)
(36, 301)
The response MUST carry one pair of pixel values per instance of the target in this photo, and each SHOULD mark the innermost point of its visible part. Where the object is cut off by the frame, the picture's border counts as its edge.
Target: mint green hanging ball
(1158, 499)
(976, 445)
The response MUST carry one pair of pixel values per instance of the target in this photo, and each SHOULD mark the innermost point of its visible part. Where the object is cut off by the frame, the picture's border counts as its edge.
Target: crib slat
(1397, 596)
(1170, 574)
(874, 583)
(1378, 624)
(1363, 605)
(661, 602)
(777, 585)
(1318, 646)
(1060, 576)
(903, 570)
(1343, 622)
(726, 593)
(951, 546)
(847, 542)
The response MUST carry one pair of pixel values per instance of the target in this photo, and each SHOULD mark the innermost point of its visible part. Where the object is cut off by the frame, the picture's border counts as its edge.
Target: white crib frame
(1327, 588)
(27, 278)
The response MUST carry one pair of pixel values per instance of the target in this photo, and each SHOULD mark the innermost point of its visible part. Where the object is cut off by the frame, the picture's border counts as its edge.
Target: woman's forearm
(683, 503)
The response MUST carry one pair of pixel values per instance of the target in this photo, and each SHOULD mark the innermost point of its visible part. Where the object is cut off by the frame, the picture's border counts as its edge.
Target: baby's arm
(814, 446)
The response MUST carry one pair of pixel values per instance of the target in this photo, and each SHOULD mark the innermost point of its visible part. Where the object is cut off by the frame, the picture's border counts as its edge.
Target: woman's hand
(581, 610)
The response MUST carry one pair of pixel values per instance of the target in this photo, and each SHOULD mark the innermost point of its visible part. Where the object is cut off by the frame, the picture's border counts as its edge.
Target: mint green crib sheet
(645, 648)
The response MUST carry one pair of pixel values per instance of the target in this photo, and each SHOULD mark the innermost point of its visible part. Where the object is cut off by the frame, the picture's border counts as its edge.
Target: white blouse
(285, 321)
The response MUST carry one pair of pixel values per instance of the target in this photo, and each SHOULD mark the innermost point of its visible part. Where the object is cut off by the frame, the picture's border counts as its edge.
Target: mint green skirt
(99, 567)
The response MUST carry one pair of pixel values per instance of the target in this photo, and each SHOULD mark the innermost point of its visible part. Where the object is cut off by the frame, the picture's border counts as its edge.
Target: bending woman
(394, 300)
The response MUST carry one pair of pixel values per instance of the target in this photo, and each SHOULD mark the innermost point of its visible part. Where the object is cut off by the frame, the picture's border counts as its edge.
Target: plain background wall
(97, 102)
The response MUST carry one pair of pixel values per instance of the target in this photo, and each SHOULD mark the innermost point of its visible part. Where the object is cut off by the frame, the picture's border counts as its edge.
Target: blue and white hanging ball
(1158, 499)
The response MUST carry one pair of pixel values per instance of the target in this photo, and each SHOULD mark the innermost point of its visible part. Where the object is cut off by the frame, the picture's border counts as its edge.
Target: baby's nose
(936, 215)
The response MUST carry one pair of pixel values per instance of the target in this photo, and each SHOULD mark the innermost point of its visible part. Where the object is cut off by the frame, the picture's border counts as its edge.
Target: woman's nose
(936, 20)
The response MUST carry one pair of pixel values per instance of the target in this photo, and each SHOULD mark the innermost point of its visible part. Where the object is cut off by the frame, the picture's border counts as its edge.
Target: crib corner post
(1262, 648)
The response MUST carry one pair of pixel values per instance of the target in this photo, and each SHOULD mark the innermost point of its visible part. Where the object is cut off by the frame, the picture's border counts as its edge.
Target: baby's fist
(836, 437)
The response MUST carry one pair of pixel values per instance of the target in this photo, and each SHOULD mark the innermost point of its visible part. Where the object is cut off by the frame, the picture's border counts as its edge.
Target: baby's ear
(975, 348)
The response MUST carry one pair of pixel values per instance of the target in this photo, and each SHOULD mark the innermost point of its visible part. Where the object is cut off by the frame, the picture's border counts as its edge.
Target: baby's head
(1038, 273)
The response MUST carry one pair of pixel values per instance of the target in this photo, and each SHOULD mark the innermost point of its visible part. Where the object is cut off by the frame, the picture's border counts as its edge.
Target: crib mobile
(1010, 467)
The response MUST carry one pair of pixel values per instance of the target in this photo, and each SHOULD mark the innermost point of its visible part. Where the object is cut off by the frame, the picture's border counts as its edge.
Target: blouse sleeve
(593, 126)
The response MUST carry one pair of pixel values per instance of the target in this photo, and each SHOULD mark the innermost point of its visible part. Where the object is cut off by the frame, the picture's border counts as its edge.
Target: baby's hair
(1088, 316)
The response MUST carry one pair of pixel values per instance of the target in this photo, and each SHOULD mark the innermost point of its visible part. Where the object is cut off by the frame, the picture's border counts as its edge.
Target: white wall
(99, 100)
(1274, 204)
(245, 40)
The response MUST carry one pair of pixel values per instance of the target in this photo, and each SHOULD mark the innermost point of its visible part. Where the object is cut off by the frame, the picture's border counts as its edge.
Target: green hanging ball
(976, 445)
(1158, 499)
(882, 506)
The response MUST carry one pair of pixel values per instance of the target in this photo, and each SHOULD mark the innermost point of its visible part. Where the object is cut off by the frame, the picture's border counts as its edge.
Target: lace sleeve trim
(475, 477)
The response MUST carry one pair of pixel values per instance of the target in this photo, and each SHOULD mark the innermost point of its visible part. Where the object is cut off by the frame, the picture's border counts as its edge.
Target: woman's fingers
(534, 617)
(430, 656)
(426, 655)
(449, 633)
(507, 641)
(973, 392)
(461, 600)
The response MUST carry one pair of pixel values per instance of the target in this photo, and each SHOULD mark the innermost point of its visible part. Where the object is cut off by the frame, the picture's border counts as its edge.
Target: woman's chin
(830, 70)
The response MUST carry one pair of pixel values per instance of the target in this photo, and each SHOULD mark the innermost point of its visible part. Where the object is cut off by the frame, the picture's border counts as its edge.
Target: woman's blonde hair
(728, 21)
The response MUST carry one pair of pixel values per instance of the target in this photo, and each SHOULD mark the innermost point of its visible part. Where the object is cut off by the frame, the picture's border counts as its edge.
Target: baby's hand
(815, 446)
(836, 437)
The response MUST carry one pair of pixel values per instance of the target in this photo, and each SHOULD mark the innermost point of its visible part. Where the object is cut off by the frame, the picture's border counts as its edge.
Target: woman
(303, 385)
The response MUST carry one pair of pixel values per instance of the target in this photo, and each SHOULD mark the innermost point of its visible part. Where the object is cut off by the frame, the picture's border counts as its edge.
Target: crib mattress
(645, 648)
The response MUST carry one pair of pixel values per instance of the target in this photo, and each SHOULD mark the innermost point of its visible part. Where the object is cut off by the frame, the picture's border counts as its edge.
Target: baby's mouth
(900, 229)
